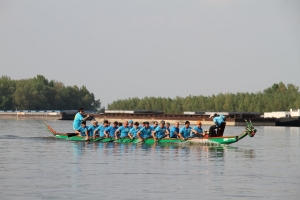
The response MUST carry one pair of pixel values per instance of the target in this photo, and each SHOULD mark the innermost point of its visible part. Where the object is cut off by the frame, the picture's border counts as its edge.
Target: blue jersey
(111, 130)
(77, 121)
(101, 130)
(172, 134)
(146, 133)
(91, 129)
(218, 120)
(82, 130)
(185, 132)
(153, 128)
(199, 130)
(124, 131)
(134, 131)
(160, 132)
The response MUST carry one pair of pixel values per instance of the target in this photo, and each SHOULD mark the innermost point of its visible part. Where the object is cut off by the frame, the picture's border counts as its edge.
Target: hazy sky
(168, 48)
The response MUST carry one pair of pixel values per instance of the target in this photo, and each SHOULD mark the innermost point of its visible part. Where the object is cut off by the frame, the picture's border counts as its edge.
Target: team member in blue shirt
(197, 130)
(185, 131)
(133, 132)
(92, 127)
(110, 131)
(218, 120)
(174, 132)
(160, 131)
(79, 118)
(101, 129)
(145, 132)
(130, 124)
(155, 124)
(123, 131)
(83, 131)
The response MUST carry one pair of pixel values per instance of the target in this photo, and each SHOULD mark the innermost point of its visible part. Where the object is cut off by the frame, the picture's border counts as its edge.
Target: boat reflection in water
(168, 150)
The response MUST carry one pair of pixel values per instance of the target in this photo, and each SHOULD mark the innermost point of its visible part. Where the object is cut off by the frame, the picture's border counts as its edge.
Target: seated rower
(185, 131)
(122, 131)
(144, 132)
(197, 131)
(133, 132)
(143, 125)
(219, 121)
(174, 132)
(155, 124)
(110, 130)
(130, 124)
(160, 131)
(91, 128)
(83, 130)
(101, 129)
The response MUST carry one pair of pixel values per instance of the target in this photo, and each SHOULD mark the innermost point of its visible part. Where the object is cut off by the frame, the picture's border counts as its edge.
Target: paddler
(144, 132)
(160, 131)
(130, 124)
(91, 128)
(101, 129)
(123, 131)
(133, 132)
(197, 131)
(185, 131)
(174, 132)
(79, 118)
(83, 130)
(155, 124)
(110, 130)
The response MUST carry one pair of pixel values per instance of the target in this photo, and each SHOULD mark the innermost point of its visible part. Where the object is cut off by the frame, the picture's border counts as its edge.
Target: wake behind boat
(224, 140)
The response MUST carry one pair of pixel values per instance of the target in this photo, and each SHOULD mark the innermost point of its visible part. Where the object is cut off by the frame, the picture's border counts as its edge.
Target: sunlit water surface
(34, 165)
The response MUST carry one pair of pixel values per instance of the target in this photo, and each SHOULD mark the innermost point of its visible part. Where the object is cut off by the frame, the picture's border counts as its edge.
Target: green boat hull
(206, 141)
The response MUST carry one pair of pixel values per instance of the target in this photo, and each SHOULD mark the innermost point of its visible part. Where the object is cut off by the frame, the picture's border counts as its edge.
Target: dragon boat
(224, 140)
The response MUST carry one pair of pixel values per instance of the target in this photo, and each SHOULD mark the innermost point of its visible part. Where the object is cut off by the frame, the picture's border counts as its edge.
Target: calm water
(33, 165)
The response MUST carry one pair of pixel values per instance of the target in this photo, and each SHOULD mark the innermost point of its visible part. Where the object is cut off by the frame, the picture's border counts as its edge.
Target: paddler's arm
(154, 136)
(129, 135)
(167, 132)
(77, 132)
(87, 134)
(94, 135)
(105, 133)
(139, 135)
(116, 134)
(194, 131)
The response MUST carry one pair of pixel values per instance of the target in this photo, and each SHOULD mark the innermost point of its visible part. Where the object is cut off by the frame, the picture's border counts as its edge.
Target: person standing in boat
(79, 118)
(185, 131)
(110, 130)
(91, 128)
(160, 131)
(174, 132)
(122, 131)
(197, 131)
(144, 132)
(133, 132)
(218, 120)
(101, 129)
(83, 130)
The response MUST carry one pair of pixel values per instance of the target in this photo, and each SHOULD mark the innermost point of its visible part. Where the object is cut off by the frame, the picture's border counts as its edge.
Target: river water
(34, 165)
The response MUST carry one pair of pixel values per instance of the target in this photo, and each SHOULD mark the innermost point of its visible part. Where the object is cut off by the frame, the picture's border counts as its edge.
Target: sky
(132, 48)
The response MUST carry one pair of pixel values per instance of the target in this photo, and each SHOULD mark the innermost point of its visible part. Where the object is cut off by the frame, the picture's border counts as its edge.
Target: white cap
(212, 115)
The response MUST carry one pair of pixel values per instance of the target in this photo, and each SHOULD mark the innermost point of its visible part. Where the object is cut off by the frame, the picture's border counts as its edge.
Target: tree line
(278, 97)
(40, 94)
